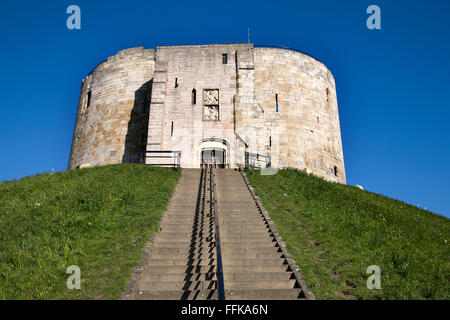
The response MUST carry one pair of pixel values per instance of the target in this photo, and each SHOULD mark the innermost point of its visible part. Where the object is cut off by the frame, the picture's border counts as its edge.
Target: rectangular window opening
(224, 58)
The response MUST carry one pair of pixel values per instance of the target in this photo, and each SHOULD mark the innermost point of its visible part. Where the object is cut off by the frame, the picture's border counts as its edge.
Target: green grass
(97, 218)
(336, 231)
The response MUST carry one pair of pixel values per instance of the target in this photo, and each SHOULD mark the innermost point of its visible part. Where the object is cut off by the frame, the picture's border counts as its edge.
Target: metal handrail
(220, 282)
(252, 160)
(176, 155)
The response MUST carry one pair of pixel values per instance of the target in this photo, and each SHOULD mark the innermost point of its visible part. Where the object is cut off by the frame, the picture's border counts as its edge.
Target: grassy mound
(98, 219)
(336, 231)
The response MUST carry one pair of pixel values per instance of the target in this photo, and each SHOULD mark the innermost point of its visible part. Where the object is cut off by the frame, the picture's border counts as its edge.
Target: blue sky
(392, 84)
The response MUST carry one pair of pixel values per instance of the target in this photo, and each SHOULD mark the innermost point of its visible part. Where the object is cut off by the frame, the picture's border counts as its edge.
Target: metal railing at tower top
(163, 158)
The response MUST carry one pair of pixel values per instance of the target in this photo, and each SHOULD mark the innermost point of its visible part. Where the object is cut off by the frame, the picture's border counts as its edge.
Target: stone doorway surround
(217, 157)
(217, 148)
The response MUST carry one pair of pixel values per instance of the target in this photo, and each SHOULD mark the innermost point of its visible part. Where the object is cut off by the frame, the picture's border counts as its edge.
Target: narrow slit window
(224, 58)
(171, 130)
(194, 97)
(86, 102)
(176, 82)
(328, 97)
(270, 141)
(89, 95)
(336, 171)
(276, 102)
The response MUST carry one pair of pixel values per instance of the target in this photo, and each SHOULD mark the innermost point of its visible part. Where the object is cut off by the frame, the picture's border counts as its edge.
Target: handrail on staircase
(220, 282)
(163, 154)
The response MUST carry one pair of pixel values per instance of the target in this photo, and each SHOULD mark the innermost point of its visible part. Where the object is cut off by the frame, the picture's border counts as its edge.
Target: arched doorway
(214, 152)
(215, 157)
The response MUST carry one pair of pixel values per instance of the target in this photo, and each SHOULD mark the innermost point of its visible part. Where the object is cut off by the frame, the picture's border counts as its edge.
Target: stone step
(229, 232)
(176, 295)
(179, 277)
(249, 240)
(187, 221)
(229, 201)
(180, 262)
(188, 239)
(245, 224)
(250, 232)
(251, 250)
(193, 229)
(238, 211)
(245, 237)
(186, 245)
(257, 276)
(176, 285)
(185, 228)
(255, 269)
(172, 234)
(178, 250)
(253, 262)
(187, 216)
(225, 208)
(239, 214)
(185, 202)
(247, 245)
(227, 197)
(268, 294)
(261, 284)
(193, 238)
(211, 255)
(239, 218)
(179, 269)
(183, 208)
(252, 255)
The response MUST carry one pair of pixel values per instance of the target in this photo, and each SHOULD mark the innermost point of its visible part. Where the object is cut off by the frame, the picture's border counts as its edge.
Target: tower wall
(112, 115)
(306, 127)
(176, 122)
(274, 106)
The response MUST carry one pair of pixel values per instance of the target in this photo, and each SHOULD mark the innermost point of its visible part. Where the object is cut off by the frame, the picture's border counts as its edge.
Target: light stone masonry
(241, 105)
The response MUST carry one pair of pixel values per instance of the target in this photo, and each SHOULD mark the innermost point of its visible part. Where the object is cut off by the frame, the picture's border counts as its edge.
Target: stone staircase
(254, 267)
(182, 263)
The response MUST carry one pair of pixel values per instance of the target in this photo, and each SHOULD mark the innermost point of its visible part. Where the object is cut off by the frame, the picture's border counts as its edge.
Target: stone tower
(237, 104)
